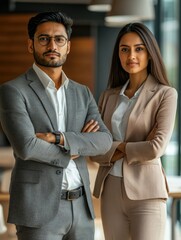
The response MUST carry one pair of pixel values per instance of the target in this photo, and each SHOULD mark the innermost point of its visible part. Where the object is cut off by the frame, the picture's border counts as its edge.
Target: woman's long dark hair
(118, 76)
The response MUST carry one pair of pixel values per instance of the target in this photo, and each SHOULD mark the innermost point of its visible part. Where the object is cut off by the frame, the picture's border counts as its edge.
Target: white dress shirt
(71, 176)
(119, 123)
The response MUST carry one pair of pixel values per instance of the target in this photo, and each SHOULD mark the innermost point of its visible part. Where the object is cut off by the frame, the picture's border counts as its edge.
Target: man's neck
(55, 73)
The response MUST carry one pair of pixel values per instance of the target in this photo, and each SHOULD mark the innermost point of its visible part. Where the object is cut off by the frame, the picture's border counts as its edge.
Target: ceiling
(56, 1)
(77, 9)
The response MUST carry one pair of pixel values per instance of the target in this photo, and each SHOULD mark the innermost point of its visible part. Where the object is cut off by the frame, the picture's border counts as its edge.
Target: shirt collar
(46, 80)
(125, 86)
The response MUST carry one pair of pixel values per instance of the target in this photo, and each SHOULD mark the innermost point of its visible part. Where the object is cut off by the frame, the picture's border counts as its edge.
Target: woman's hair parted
(43, 17)
(118, 76)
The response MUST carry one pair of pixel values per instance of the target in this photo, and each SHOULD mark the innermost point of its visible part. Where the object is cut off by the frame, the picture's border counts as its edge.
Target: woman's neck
(135, 83)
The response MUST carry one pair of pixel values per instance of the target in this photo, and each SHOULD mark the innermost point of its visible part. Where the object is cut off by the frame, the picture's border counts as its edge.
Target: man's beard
(49, 63)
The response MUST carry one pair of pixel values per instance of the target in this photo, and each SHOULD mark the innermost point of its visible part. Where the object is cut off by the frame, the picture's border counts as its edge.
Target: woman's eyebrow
(138, 44)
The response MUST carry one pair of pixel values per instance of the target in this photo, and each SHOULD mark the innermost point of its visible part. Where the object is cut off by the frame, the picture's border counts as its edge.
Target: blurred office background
(91, 51)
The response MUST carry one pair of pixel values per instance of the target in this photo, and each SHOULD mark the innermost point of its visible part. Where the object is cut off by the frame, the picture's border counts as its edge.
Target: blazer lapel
(146, 94)
(111, 105)
(39, 90)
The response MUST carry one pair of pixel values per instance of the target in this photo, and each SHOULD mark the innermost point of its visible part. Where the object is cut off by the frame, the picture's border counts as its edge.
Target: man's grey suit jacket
(25, 109)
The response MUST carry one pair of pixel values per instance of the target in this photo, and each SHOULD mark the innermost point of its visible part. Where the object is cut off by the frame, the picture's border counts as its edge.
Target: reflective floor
(10, 235)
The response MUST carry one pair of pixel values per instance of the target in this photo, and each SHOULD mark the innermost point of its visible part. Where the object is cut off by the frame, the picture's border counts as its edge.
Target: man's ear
(30, 45)
(68, 47)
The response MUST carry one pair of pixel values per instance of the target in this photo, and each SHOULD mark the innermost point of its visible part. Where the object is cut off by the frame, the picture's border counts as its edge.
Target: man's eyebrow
(43, 34)
(47, 35)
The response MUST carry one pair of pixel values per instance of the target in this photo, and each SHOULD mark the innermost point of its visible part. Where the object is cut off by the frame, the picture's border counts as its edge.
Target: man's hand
(91, 126)
(48, 137)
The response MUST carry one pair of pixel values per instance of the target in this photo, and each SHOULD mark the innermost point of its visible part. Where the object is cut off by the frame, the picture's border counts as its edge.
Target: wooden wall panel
(80, 62)
(15, 59)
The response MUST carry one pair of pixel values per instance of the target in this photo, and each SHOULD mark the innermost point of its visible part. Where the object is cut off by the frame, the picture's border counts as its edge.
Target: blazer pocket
(27, 176)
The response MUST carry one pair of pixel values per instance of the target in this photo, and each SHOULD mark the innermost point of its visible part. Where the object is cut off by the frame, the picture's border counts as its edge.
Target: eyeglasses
(45, 40)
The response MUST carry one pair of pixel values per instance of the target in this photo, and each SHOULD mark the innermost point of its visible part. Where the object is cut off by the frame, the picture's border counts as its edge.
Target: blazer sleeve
(149, 149)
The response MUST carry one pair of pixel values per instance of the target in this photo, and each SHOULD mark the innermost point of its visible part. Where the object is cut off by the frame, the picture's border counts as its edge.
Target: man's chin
(53, 66)
(50, 65)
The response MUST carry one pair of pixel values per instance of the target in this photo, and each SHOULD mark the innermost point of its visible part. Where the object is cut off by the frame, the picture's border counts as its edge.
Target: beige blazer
(154, 110)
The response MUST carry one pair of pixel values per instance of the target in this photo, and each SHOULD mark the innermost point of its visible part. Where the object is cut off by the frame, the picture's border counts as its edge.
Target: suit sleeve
(90, 144)
(20, 131)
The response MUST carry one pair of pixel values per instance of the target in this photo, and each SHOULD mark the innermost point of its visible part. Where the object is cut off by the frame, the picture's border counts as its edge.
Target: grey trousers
(125, 219)
(72, 222)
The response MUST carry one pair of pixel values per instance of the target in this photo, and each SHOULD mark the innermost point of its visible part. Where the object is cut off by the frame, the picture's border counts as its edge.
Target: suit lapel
(146, 94)
(71, 106)
(39, 90)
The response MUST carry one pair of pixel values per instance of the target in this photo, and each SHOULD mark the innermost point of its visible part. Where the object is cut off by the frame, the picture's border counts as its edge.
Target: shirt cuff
(65, 146)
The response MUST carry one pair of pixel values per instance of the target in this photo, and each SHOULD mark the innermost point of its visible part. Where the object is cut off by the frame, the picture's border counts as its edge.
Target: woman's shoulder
(167, 88)
(106, 94)
(153, 82)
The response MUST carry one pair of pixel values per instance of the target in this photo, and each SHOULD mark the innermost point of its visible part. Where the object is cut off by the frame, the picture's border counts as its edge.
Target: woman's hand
(151, 135)
(119, 153)
(117, 156)
(122, 147)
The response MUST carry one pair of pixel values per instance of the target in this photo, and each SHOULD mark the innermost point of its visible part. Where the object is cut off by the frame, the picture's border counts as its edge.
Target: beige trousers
(125, 219)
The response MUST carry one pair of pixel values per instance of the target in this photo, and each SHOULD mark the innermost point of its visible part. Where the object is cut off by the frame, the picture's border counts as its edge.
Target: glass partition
(170, 53)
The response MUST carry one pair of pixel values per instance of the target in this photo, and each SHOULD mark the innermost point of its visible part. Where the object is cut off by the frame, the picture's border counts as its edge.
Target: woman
(139, 109)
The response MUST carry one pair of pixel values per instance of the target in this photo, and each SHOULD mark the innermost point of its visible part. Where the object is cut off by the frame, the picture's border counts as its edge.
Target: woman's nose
(131, 54)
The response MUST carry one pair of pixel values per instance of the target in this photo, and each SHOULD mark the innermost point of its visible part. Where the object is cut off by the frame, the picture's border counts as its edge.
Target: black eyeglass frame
(49, 39)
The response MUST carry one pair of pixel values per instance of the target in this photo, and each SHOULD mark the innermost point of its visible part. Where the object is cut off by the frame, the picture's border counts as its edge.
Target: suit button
(58, 172)
(54, 162)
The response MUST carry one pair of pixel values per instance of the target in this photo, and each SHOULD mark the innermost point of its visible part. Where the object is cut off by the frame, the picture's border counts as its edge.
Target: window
(169, 48)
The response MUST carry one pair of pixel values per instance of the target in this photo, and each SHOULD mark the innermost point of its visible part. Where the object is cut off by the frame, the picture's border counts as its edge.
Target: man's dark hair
(49, 17)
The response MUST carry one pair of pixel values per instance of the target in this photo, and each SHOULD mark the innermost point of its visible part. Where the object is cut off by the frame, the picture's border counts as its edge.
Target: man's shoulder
(17, 80)
(13, 82)
(78, 86)
(80, 90)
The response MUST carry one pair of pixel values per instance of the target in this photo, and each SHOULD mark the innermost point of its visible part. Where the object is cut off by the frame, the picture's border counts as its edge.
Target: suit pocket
(27, 176)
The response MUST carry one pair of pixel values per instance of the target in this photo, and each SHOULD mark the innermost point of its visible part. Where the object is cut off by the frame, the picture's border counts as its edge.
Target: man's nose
(52, 44)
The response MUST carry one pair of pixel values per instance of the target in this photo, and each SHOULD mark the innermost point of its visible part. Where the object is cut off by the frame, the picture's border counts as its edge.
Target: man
(52, 123)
